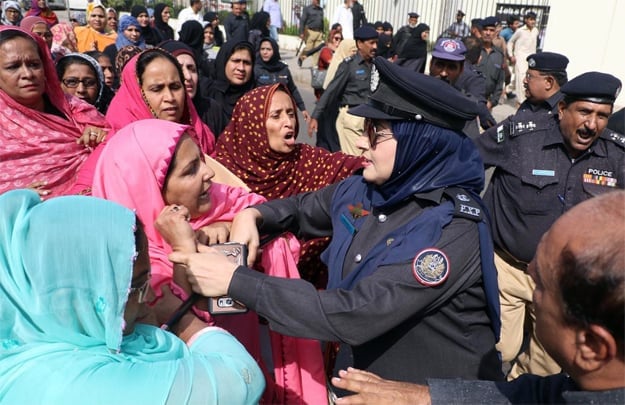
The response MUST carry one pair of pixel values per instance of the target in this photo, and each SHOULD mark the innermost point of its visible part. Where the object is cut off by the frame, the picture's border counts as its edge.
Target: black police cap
(547, 62)
(403, 94)
(365, 32)
(490, 22)
(413, 15)
(595, 87)
(477, 22)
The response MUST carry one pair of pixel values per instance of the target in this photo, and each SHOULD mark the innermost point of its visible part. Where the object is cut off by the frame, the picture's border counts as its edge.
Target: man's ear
(550, 82)
(595, 347)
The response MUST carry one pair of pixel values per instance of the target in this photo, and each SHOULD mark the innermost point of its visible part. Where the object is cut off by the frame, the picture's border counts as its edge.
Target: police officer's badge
(531, 62)
(430, 267)
(375, 78)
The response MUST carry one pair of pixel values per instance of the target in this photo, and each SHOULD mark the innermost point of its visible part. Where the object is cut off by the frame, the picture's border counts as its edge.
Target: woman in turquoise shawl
(68, 271)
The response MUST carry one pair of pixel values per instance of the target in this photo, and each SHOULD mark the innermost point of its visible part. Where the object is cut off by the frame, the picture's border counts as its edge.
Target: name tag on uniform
(548, 173)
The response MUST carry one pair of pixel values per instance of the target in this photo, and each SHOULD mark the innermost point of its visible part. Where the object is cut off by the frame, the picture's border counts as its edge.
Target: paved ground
(302, 80)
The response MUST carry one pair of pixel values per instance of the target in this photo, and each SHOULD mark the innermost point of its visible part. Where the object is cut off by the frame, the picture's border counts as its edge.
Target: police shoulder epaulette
(348, 59)
(614, 137)
(465, 206)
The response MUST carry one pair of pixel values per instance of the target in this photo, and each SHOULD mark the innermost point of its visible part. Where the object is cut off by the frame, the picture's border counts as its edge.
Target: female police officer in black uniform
(412, 283)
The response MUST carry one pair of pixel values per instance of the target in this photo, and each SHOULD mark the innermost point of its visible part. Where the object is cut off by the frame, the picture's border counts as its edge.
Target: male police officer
(542, 169)
(351, 86)
(448, 64)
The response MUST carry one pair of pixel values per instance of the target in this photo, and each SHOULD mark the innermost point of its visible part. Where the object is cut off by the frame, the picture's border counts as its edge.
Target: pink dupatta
(38, 146)
(131, 171)
(128, 106)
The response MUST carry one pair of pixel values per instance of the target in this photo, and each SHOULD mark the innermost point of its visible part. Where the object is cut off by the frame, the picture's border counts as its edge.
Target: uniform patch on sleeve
(430, 267)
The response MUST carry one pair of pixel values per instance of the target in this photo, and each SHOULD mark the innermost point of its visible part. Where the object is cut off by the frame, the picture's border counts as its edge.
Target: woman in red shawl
(46, 135)
(40, 8)
(259, 146)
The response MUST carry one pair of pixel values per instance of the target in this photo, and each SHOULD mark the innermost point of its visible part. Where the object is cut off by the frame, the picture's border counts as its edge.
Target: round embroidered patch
(430, 267)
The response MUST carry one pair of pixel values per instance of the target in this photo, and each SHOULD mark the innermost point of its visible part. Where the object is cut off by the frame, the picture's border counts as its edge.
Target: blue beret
(596, 87)
(547, 62)
(490, 22)
(413, 15)
(449, 49)
(403, 94)
(365, 32)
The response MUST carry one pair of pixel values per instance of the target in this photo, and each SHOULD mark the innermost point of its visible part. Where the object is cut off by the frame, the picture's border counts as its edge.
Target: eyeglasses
(375, 136)
(11, 11)
(143, 291)
(72, 82)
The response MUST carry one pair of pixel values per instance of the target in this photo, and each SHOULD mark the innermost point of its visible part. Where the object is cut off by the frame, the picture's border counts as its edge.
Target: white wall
(591, 34)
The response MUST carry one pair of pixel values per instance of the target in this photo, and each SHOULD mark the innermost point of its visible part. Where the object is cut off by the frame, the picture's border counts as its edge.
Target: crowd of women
(125, 154)
(118, 109)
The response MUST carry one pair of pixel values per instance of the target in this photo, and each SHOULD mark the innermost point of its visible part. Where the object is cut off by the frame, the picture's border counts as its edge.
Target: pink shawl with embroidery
(128, 106)
(131, 171)
(38, 146)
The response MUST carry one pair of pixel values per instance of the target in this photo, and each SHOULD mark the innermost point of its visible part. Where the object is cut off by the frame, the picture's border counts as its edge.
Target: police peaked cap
(365, 32)
(596, 87)
(547, 62)
(403, 94)
(490, 22)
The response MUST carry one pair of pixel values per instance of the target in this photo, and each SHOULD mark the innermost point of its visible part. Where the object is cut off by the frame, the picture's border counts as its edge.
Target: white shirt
(273, 8)
(187, 14)
(344, 16)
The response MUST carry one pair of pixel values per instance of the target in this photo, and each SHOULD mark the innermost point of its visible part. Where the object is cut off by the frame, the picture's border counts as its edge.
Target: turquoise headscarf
(65, 273)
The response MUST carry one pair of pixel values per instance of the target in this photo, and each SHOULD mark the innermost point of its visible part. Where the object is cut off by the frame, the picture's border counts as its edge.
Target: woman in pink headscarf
(133, 101)
(46, 136)
(155, 168)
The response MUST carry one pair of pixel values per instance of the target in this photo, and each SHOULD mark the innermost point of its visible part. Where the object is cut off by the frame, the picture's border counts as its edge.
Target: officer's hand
(208, 272)
(244, 230)
(372, 389)
(312, 127)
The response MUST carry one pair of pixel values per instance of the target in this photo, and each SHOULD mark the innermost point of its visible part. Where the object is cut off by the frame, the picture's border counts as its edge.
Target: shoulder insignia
(465, 205)
(430, 267)
(348, 59)
(516, 128)
(615, 137)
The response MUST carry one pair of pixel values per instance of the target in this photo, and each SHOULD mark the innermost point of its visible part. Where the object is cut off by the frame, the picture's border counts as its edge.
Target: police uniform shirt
(351, 85)
(472, 82)
(237, 28)
(312, 18)
(490, 66)
(535, 180)
(548, 106)
(265, 77)
(396, 326)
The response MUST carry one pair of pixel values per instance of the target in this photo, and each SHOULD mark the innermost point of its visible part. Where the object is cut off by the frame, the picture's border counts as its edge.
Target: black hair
(512, 18)
(154, 53)
(9, 34)
(560, 77)
(474, 49)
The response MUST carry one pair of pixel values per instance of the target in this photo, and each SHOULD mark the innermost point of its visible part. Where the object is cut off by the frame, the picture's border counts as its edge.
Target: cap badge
(430, 267)
(375, 79)
(449, 46)
(618, 91)
(531, 62)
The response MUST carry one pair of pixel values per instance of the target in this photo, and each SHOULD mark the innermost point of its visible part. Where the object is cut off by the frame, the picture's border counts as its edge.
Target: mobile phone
(225, 305)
